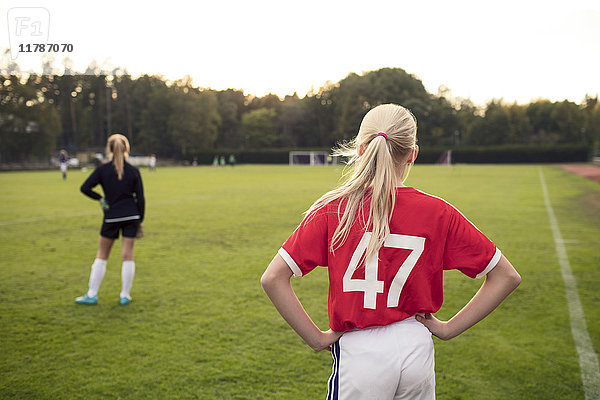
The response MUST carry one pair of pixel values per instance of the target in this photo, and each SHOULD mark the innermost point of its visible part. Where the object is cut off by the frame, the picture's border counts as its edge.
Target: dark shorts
(111, 229)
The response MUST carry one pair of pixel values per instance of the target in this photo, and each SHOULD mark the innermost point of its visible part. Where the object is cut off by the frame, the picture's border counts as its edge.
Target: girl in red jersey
(123, 205)
(386, 246)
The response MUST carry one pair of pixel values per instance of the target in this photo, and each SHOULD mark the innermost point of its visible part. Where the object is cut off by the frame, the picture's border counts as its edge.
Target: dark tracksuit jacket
(125, 197)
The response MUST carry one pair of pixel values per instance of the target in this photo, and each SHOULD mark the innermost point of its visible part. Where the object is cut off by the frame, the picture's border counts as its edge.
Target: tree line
(42, 113)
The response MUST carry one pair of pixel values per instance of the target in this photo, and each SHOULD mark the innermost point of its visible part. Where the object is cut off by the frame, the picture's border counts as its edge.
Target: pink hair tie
(382, 134)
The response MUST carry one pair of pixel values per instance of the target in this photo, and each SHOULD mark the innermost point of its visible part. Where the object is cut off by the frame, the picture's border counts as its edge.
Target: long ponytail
(386, 137)
(117, 148)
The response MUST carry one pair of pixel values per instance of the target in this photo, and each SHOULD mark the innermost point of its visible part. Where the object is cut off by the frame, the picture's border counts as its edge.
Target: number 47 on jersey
(371, 285)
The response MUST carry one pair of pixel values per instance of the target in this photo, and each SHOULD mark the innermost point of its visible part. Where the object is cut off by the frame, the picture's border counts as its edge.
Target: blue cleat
(124, 301)
(85, 299)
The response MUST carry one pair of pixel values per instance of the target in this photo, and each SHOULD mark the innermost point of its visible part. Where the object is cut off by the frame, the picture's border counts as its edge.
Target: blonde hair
(117, 148)
(387, 136)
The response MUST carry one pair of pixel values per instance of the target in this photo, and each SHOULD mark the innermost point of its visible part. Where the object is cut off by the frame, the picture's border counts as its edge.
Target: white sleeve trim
(493, 262)
(290, 262)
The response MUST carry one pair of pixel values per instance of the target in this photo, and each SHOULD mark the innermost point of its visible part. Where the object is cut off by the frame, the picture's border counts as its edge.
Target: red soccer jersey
(427, 236)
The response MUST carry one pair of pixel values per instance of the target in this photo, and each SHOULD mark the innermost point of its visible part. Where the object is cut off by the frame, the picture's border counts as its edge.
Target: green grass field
(200, 326)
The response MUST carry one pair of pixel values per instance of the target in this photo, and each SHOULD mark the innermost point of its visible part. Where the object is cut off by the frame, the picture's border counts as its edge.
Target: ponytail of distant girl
(117, 149)
(385, 140)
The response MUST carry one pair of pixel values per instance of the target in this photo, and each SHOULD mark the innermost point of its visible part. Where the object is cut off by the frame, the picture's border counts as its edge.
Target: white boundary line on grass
(588, 360)
(48, 217)
(37, 219)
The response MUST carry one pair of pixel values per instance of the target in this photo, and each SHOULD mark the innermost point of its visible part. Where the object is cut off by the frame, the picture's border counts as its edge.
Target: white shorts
(63, 167)
(389, 362)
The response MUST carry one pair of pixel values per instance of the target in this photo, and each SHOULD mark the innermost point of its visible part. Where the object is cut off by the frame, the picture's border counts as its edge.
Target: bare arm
(276, 283)
(499, 283)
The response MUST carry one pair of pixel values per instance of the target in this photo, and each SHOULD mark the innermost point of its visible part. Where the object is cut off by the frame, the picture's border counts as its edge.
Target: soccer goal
(312, 158)
(445, 158)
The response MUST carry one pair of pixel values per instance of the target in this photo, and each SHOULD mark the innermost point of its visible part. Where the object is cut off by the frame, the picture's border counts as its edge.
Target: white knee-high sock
(96, 275)
(127, 273)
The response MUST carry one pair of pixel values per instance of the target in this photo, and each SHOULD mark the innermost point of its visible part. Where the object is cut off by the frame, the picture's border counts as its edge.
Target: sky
(511, 50)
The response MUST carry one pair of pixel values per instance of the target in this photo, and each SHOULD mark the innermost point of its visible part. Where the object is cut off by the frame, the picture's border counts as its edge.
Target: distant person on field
(223, 161)
(63, 161)
(386, 246)
(232, 160)
(215, 162)
(123, 205)
(152, 162)
(195, 162)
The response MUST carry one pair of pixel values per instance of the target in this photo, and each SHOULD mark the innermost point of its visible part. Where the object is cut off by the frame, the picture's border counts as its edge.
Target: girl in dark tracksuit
(123, 205)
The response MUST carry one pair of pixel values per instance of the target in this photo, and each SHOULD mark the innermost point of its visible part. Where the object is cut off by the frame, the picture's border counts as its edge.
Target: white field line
(49, 217)
(588, 359)
(46, 218)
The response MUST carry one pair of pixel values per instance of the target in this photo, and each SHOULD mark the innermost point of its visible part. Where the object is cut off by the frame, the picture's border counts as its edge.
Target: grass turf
(200, 326)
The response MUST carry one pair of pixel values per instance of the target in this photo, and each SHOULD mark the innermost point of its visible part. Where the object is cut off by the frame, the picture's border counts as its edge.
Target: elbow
(507, 274)
(276, 275)
(507, 280)
(516, 279)
(85, 189)
(513, 280)
(271, 280)
(266, 281)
